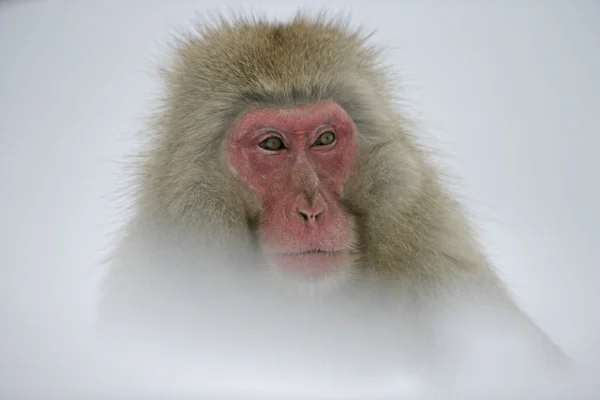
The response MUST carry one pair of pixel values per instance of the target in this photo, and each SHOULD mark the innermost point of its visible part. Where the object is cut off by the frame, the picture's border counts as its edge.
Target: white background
(507, 91)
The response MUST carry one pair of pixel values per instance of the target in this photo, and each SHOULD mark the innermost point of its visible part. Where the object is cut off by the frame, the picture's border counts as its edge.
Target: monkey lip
(311, 262)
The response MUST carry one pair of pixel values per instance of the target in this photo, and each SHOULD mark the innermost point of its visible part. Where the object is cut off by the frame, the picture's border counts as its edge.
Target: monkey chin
(313, 264)
(312, 273)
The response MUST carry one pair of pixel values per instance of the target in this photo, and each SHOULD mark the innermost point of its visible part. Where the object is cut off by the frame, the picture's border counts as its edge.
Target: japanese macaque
(280, 153)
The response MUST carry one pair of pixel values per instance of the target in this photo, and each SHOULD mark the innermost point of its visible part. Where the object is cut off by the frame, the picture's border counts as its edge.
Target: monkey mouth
(308, 252)
(316, 262)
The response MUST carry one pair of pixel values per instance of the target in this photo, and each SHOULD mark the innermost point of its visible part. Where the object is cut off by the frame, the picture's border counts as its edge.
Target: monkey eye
(272, 143)
(326, 138)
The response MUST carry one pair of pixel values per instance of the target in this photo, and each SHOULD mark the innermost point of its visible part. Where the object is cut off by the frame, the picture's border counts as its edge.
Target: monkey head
(284, 137)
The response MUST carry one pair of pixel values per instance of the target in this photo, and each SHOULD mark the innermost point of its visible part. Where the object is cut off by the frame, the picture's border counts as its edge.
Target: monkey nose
(310, 208)
(310, 215)
(310, 212)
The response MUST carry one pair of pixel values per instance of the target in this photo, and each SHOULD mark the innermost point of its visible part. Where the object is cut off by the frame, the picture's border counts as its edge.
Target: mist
(506, 93)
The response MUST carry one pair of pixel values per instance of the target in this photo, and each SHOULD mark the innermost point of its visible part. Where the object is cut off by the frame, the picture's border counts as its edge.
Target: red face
(296, 160)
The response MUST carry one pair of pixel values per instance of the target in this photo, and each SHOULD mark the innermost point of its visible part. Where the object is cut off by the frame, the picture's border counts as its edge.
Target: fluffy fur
(407, 221)
(413, 237)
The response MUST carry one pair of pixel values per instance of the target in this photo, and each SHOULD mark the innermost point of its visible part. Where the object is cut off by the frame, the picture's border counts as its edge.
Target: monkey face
(295, 160)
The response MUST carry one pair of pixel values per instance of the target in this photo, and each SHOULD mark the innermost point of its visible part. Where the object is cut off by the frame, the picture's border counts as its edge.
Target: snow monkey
(280, 152)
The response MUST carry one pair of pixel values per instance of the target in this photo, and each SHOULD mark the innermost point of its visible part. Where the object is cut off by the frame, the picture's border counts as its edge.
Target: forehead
(298, 117)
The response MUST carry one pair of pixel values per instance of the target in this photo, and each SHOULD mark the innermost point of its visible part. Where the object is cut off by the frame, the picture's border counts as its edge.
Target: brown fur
(223, 70)
(413, 235)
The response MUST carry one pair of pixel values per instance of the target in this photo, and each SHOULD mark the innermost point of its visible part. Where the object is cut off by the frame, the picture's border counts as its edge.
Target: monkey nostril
(310, 216)
(304, 215)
